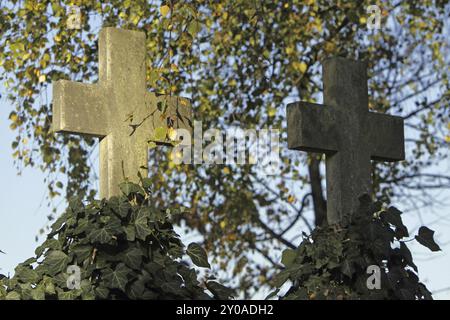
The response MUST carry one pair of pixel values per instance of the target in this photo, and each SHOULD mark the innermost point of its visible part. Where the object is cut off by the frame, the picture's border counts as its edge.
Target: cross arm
(312, 127)
(386, 137)
(79, 108)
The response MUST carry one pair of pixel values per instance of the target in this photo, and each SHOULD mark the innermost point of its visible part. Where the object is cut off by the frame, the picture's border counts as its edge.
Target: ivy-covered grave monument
(361, 253)
(120, 247)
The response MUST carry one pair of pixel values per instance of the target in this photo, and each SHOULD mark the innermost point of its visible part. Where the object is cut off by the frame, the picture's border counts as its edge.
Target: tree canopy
(239, 62)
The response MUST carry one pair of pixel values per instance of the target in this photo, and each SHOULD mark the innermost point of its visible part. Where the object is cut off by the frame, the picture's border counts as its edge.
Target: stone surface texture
(348, 134)
(118, 109)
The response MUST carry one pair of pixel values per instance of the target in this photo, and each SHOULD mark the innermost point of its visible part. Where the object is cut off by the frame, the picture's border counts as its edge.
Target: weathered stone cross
(348, 134)
(118, 109)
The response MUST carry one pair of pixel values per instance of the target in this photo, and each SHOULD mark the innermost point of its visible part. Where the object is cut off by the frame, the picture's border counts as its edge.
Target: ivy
(198, 255)
(332, 262)
(125, 248)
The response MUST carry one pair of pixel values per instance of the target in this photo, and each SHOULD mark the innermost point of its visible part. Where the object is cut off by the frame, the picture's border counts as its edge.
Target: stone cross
(118, 109)
(348, 134)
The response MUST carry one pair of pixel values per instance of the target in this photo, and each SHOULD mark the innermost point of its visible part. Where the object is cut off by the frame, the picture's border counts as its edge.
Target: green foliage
(125, 248)
(238, 61)
(332, 262)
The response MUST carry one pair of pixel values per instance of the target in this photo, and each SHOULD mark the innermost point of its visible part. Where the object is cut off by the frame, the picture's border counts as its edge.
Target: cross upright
(348, 134)
(118, 109)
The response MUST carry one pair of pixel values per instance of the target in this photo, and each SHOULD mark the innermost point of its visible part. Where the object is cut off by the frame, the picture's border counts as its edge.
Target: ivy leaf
(280, 278)
(13, 295)
(425, 238)
(38, 293)
(26, 275)
(137, 288)
(146, 183)
(100, 236)
(124, 208)
(68, 295)
(83, 226)
(49, 286)
(82, 252)
(129, 187)
(347, 268)
(288, 257)
(59, 222)
(272, 294)
(55, 262)
(133, 258)
(29, 261)
(407, 255)
(392, 215)
(198, 255)
(219, 291)
(130, 232)
(60, 279)
(117, 278)
(102, 292)
(406, 294)
(141, 224)
(114, 226)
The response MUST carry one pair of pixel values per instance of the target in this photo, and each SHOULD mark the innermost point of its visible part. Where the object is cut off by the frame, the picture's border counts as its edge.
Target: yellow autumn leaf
(318, 24)
(174, 67)
(226, 170)
(135, 19)
(289, 50)
(329, 47)
(300, 66)
(447, 139)
(164, 10)
(160, 134)
(13, 117)
(42, 78)
(178, 155)
(271, 112)
(362, 20)
(291, 199)
(223, 224)
(122, 15)
(172, 134)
